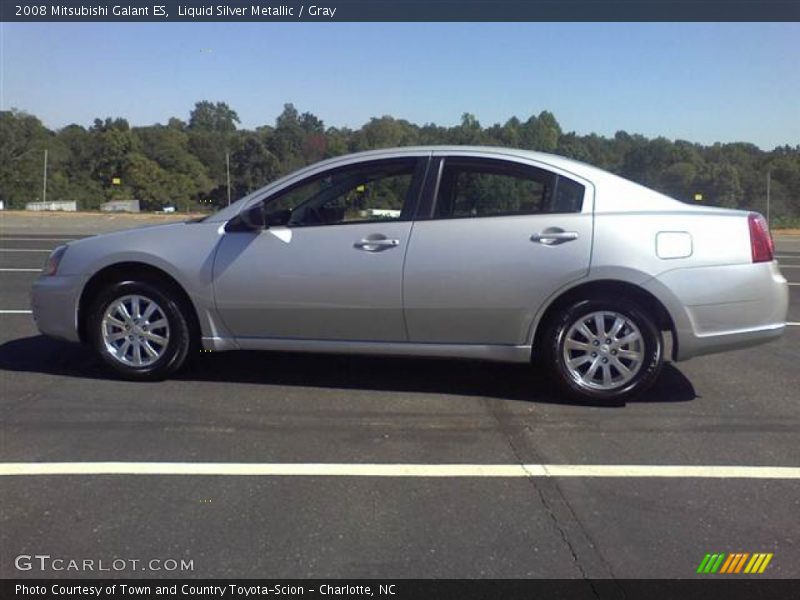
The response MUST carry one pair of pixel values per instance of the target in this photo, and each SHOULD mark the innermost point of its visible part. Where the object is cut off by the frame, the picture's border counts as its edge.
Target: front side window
(490, 188)
(356, 194)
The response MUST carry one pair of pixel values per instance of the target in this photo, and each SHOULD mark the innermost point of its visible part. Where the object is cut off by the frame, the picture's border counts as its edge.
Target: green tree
(212, 139)
(184, 175)
(23, 140)
(540, 133)
(385, 132)
(216, 117)
(252, 166)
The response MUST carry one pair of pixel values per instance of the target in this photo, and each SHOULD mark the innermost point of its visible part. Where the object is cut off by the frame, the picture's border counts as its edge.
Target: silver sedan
(479, 253)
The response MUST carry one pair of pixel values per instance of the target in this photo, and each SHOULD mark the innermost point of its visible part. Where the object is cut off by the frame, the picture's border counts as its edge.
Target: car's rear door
(494, 240)
(335, 271)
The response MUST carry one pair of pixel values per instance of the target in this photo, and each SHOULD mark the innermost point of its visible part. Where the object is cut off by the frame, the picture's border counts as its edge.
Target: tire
(163, 336)
(585, 367)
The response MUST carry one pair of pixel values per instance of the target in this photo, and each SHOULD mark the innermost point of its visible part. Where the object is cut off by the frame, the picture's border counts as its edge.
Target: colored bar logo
(734, 563)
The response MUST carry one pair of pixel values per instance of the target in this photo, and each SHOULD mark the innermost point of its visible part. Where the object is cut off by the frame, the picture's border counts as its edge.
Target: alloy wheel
(135, 330)
(603, 350)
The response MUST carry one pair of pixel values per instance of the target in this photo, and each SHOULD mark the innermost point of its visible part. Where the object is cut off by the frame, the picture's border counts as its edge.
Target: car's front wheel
(138, 329)
(606, 350)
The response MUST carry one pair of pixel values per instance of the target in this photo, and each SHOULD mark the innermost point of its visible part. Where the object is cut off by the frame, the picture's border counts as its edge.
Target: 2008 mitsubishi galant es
(482, 253)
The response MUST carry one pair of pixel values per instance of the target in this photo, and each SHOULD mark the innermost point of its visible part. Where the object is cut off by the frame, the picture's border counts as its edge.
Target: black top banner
(399, 10)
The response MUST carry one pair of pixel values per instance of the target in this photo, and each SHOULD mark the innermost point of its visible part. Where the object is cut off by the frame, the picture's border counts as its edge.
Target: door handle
(554, 238)
(376, 245)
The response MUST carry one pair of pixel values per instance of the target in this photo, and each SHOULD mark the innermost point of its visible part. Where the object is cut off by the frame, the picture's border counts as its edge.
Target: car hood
(127, 233)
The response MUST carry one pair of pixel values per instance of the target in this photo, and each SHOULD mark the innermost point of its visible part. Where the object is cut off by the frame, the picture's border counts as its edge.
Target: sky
(702, 82)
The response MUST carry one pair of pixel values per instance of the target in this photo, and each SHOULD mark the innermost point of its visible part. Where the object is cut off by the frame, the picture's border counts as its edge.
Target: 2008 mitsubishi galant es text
(482, 253)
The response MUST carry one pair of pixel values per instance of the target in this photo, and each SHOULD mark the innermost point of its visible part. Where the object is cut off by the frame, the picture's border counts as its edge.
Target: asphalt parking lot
(58, 405)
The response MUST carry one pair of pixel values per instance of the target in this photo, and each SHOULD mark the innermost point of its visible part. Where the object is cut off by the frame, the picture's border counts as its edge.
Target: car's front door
(499, 238)
(329, 264)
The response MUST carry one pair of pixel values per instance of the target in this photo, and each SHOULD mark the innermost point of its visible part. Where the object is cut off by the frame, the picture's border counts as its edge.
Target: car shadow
(44, 355)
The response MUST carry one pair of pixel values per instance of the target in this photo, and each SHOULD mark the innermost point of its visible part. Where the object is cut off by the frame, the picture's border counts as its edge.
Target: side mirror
(253, 217)
(278, 218)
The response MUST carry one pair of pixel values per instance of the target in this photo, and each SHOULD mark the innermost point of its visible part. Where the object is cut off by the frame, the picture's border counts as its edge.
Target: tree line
(187, 164)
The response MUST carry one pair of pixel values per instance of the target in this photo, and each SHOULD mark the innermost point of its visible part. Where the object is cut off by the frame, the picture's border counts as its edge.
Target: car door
(329, 264)
(498, 239)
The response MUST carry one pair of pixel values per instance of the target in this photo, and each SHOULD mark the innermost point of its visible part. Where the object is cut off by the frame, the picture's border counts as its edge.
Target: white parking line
(20, 270)
(26, 250)
(396, 470)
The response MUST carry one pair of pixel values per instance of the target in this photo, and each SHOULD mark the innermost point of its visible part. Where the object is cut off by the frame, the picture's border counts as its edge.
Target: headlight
(52, 262)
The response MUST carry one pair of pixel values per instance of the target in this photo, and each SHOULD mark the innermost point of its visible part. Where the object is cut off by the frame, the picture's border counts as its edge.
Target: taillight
(761, 245)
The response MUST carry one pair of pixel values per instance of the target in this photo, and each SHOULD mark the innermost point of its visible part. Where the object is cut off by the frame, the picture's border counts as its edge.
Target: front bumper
(54, 302)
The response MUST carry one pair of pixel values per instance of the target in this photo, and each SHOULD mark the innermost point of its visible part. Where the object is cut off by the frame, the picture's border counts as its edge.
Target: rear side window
(568, 196)
(488, 188)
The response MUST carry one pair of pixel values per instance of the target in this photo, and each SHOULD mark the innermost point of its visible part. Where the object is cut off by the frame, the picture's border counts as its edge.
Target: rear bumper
(715, 309)
(54, 302)
(697, 345)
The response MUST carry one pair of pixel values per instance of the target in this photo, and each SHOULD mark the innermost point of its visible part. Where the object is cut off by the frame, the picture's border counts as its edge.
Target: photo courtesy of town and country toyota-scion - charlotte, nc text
(201, 590)
(159, 10)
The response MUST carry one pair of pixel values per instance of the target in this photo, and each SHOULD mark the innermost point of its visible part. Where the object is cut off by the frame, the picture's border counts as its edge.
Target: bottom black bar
(411, 589)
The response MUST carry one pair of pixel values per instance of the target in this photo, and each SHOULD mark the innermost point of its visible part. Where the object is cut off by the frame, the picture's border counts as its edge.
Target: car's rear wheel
(138, 329)
(604, 350)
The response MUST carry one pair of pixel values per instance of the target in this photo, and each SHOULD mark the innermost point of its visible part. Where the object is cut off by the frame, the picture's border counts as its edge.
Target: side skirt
(517, 354)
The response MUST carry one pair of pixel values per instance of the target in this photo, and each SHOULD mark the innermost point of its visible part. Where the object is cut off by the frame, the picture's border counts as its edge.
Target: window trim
(418, 173)
(430, 190)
